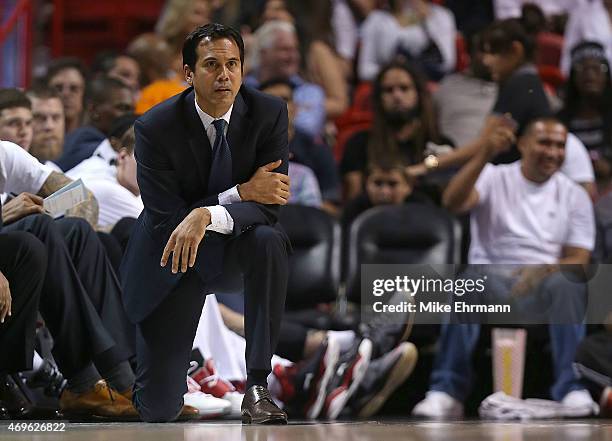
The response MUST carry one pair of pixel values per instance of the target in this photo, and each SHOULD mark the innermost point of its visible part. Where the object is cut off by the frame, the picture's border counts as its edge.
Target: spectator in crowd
(587, 111)
(417, 29)
(277, 55)
(403, 126)
(591, 21)
(93, 337)
(110, 174)
(68, 76)
(464, 100)
(15, 117)
(347, 18)
(48, 126)
(304, 186)
(386, 183)
(107, 100)
(276, 10)
(160, 82)
(180, 17)
(525, 213)
(508, 54)
(117, 65)
(322, 64)
(307, 152)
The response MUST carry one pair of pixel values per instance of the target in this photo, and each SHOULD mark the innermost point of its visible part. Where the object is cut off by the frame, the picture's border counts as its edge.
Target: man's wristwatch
(431, 162)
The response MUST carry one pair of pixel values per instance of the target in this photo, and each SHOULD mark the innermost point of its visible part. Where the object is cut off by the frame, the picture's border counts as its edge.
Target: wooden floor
(387, 430)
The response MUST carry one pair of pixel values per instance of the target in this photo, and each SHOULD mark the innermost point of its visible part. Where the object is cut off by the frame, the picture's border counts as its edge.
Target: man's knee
(268, 237)
(565, 287)
(75, 226)
(36, 254)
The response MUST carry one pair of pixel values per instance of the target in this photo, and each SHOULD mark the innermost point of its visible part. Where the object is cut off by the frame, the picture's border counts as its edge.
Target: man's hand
(185, 240)
(266, 187)
(126, 171)
(5, 298)
(22, 206)
(498, 135)
(529, 278)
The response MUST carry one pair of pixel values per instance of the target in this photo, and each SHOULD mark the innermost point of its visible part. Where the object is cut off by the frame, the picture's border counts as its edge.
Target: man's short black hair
(214, 31)
(60, 64)
(98, 89)
(42, 92)
(550, 119)
(121, 125)
(11, 98)
(499, 36)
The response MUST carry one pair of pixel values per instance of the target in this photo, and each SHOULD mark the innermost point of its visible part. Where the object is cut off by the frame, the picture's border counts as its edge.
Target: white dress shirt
(220, 219)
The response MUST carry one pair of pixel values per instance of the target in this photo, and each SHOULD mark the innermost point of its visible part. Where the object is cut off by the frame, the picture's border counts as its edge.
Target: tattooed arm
(87, 209)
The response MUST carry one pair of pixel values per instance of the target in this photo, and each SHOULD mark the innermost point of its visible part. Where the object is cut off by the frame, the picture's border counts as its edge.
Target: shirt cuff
(230, 196)
(220, 220)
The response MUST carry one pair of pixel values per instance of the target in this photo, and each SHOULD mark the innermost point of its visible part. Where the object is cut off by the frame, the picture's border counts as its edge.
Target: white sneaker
(235, 399)
(438, 405)
(207, 405)
(579, 403)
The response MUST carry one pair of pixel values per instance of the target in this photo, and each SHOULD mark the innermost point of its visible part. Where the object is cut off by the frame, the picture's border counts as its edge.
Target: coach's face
(217, 76)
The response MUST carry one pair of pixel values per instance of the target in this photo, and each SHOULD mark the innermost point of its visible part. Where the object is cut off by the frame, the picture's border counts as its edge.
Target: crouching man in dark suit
(205, 161)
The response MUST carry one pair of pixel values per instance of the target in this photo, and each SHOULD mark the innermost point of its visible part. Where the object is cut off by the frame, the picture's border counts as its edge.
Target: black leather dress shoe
(13, 398)
(259, 408)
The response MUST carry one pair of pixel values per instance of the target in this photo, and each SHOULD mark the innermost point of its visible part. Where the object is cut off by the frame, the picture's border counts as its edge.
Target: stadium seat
(314, 266)
(407, 234)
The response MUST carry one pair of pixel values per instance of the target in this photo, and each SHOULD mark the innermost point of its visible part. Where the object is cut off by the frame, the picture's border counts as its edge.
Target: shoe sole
(399, 373)
(85, 417)
(246, 419)
(330, 360)
(339, 399)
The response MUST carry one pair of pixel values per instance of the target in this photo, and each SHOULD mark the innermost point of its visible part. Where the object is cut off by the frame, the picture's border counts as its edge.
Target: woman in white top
(590, 22)
(409, 27)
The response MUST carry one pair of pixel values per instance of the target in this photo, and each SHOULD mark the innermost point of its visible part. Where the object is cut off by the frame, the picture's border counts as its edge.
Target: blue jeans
(556, 296)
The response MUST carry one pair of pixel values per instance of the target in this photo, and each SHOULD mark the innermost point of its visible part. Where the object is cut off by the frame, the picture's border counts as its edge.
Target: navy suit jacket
(174, 157)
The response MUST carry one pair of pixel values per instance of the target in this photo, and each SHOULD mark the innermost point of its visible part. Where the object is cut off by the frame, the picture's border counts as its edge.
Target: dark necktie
(220, 178)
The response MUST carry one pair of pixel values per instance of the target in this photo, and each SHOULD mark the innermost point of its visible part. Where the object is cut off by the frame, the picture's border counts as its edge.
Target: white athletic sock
(344, 338)
(37, 361)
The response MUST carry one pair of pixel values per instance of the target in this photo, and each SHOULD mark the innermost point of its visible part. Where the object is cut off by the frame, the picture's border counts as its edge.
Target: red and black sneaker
(349, 373)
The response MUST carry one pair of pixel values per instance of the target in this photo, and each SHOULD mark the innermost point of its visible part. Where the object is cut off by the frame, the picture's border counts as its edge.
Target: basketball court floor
(381, 430)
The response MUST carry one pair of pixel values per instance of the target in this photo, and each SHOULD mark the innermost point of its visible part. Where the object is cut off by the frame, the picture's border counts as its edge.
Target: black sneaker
(383, 377)
(49, 377)
(349, 373)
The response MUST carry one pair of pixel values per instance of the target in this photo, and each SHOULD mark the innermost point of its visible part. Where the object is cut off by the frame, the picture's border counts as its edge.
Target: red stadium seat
(549, 47)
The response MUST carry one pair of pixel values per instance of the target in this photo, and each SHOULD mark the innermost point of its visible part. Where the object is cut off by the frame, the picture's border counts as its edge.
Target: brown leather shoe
(259, 408)
(100, 402)
(188, 413)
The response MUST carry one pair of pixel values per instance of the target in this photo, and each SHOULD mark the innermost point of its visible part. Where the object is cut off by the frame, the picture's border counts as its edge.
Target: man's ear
(518, 50)
(521, 143)
(188, 74)
(92, 111)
